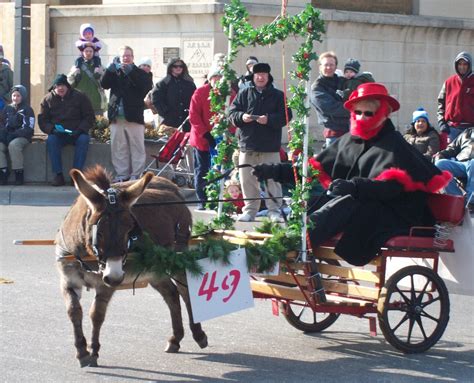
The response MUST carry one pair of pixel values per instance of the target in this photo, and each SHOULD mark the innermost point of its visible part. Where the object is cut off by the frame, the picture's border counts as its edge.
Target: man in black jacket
(128, 86)
(66, 115)
(258, 112)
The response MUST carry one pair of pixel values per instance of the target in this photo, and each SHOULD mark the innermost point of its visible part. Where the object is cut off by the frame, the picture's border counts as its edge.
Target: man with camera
(258, 112)
(128, 86)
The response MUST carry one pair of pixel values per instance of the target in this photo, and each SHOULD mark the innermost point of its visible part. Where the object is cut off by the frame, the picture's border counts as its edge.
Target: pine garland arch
(241, 33)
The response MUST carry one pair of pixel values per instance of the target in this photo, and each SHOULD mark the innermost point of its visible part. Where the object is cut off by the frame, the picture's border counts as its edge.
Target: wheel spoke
(402, 294)
(301, 313)
(430, 302)
(423, 291)
(420, 324)
(410, 329)
(314, 317)
(426, 315)
(413, 291)
(403, 320)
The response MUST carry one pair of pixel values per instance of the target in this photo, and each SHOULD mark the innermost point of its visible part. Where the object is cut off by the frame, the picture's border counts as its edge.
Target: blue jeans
(202, 164)
(464, 170)
(454, 132)
(55, 143)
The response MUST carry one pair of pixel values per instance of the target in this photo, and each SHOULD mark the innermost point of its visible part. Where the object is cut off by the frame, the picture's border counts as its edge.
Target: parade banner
(221, 289)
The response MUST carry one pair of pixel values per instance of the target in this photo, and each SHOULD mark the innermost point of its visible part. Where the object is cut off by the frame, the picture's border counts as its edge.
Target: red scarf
(369, 128)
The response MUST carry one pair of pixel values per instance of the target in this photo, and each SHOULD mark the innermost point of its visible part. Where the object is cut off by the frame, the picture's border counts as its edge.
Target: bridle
(112, 208)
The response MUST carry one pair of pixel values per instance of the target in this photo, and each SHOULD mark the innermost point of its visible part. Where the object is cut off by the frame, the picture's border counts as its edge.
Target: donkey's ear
(93, 198)
(131, 194)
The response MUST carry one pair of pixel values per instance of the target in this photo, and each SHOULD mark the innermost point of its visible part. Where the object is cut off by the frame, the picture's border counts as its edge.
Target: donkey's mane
(99, 176)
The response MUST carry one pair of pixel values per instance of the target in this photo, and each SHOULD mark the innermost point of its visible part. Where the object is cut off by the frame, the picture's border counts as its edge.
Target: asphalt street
(249, 346)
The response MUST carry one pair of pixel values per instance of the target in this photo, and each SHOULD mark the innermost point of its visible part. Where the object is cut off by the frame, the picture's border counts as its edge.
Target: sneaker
(134, 178)
(245, 218)
(274, 216)
(200, 207)
(58, 180)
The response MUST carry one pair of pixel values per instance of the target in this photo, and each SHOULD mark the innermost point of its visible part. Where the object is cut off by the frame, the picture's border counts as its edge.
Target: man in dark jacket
(128, 86)
(66, 115)
(258, 112)
(377, 183)
(458, 159)
(17, 122)
(327, 102)
(456, 98)
(172, 95)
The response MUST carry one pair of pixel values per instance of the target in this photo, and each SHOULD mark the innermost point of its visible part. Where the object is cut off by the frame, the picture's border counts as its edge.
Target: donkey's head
(109, 222)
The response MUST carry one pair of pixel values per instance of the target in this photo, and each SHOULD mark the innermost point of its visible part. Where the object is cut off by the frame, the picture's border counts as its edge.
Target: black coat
(16, 121)
(73, 112)
(254, 136)
(171, 97)
(131, 88)
(392, 181)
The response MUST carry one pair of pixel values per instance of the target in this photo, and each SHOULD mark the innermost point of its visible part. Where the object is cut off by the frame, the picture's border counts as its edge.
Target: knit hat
(420, 113)
(352, 64)
(60, 79)
(251, 60)
(20, 89)
(145, 61)
(214, 71)
(261, 68)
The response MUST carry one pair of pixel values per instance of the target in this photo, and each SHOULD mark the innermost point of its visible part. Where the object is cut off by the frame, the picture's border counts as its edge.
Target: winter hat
(214, 71)
(251, 60)
(20, 89)
(261, 68)
(353, 65)
(84, 27)
(420, 113)
(145, 61)
(60, 79)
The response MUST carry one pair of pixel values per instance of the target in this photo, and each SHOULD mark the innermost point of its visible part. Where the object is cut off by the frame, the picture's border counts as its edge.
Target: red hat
(372, 90)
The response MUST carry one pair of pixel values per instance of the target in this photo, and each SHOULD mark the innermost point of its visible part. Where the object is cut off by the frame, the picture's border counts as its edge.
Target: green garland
(307, 24)
(148, 257)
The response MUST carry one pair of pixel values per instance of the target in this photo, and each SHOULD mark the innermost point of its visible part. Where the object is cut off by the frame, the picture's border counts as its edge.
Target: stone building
(407, 44)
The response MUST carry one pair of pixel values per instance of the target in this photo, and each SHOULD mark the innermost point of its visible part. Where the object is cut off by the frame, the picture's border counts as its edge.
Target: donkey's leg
(97, 315)
(198, 334)
(170, 294)
(72, 296)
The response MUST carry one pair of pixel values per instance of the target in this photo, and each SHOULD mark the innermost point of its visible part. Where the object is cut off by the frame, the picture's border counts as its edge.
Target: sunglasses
(366, 113)
(178, 66)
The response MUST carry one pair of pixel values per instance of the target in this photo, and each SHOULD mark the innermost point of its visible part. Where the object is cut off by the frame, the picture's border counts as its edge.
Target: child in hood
(353, 78)
(88, 39)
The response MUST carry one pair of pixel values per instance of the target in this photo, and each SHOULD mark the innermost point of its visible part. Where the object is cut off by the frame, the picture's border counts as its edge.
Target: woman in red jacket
(200, 137)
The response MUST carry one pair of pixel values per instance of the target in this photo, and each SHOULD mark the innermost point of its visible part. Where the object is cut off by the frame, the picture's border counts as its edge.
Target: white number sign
(221, 289)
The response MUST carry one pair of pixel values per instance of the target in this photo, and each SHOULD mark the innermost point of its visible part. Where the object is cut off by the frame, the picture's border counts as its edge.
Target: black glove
(340, 187)
(265, 171)
(444, 127)
(210, 140)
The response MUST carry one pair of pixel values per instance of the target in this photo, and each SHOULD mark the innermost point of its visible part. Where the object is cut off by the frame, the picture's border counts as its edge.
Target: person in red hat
(376, 183)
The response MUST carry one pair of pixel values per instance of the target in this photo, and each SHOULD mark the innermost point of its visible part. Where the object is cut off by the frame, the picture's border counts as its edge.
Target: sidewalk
(46, 195)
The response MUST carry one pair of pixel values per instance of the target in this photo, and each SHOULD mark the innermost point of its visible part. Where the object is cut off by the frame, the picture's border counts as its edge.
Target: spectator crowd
(257, 112)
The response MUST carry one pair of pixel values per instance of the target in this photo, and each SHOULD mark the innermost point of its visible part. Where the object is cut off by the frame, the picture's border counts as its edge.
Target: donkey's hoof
(88, 361)
(203, 342)
(172, 347)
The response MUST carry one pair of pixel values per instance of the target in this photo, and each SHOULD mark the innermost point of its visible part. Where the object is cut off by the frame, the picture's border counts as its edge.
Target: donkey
(100, 223)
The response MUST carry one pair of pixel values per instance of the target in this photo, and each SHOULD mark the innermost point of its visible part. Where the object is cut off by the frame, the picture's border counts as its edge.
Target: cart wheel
(179, 180)
(303, 318)
(413, 309)
(191, 182)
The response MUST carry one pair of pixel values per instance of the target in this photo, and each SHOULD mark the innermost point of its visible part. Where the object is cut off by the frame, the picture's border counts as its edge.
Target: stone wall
(413, 55)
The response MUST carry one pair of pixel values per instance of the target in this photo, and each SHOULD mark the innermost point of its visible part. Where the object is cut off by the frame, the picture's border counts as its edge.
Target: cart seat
(445, 209)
